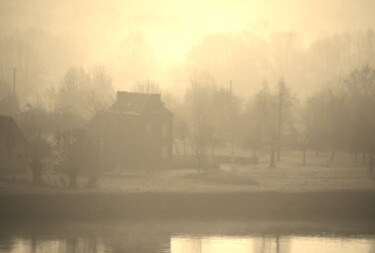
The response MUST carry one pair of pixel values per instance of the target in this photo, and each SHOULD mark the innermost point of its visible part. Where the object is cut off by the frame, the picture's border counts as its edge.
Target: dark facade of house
(13, 146)
(9, 105)
(135, 132)
(369, 142)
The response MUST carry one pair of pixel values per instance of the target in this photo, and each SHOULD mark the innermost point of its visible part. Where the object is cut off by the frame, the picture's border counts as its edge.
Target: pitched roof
(138, 103)
(9, 105)
(6, 124)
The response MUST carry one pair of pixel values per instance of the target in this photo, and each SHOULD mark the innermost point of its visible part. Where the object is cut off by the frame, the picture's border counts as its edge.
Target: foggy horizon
(97, 33)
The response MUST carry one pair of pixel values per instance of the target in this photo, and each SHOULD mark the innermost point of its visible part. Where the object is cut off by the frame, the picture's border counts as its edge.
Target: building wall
(13, 148)
(133, 141)
(159, 137)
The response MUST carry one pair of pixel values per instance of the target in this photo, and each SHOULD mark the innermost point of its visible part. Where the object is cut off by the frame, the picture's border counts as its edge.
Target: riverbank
(335, 191)
(329, 205)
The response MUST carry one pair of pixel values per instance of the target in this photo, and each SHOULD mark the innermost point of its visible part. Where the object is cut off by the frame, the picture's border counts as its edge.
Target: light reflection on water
(288, 244)
(195, 244)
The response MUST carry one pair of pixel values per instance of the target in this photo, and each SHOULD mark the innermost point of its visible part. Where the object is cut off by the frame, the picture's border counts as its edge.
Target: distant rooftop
(5, 119)
(6, 124)
(137, 103)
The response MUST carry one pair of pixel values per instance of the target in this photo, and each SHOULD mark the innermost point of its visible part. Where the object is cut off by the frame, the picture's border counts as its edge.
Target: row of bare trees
(338, 116)
(217, 117)
(335, 117)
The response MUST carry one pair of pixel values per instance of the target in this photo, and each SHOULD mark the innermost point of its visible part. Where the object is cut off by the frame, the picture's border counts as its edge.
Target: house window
(165, 131)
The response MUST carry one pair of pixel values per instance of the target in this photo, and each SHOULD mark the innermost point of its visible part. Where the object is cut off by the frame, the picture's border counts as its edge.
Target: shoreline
(87, 228)
(341, 205)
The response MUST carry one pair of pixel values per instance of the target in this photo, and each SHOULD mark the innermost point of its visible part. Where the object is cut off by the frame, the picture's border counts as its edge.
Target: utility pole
(279, 126)
(14, 82)
(280, 119)
(231, 117)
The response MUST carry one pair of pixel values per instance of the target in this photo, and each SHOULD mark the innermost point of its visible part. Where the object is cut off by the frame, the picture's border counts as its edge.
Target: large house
(136, 131)
(13, 146)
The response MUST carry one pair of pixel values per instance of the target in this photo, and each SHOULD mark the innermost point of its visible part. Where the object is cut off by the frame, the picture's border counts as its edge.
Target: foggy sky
(172, 27)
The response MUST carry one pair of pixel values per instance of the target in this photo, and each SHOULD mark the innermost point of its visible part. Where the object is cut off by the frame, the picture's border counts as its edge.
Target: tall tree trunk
(279, 126)
(272, 158)
(73, 176)
(278, 142)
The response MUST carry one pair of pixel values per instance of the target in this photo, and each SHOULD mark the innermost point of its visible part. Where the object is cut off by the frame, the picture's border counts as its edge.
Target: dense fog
(187, 126)
(262, 78)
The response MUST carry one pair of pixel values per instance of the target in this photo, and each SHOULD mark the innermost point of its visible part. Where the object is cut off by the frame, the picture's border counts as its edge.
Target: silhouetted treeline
(213, 112)
(336, 117)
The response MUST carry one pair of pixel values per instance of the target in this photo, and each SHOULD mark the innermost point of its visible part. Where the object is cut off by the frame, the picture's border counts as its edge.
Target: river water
(179, 237)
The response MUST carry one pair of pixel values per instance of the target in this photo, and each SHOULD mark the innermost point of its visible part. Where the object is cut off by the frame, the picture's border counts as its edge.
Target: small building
(136, 131)
(13, 146)
(368, 139)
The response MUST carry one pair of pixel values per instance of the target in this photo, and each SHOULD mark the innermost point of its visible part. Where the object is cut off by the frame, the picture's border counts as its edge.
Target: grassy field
(321, 190)
(320, 174)
(288, 176)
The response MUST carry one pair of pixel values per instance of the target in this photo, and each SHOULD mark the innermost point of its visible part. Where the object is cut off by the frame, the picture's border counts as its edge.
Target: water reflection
(207, 244)
(288, 244)
(171, 237)
(76, 245)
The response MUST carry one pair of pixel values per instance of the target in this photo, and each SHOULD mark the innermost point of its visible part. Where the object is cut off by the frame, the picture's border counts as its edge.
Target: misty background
(308, 44)
(263, 76)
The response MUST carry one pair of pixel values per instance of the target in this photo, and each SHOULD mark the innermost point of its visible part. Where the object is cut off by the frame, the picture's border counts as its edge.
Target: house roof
(9, 105)
(138, 103)
(6, 125)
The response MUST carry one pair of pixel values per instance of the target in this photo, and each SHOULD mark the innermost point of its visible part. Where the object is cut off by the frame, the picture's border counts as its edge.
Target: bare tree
(266, 109)
(147, 86)
(359, 88)
(101, 90)
(198, 99)
(74, 94)
(84, 93)
(285, 103)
